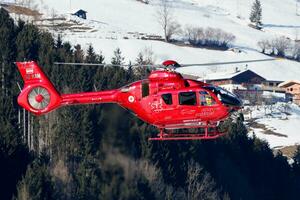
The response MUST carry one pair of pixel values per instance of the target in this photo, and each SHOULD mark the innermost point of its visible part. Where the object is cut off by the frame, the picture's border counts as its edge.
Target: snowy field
(282, 119)
(112, 20)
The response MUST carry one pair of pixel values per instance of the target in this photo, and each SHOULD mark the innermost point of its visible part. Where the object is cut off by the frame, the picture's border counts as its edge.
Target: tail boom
(39, 95)
(109, 96)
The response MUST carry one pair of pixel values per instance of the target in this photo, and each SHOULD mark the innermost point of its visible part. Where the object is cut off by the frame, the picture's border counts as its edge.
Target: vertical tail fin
(38, 95)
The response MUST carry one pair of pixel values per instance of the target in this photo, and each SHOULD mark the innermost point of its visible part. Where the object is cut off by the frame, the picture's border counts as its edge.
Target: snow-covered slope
(113, 20)
(278, 124)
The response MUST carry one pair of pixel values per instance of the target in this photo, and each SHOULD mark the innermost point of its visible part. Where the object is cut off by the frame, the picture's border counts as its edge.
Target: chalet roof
(227, 75)
(288, 83)
(223, 75)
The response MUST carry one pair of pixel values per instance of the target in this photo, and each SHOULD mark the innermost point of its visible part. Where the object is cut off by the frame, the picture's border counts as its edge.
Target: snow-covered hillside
(114, 20)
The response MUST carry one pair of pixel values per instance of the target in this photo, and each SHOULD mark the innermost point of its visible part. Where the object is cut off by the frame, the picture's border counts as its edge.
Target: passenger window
(206, 99)
(187, 98)
(167, 98)
(145, 89)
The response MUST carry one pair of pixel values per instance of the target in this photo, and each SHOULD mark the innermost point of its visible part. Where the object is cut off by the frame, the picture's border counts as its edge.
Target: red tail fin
(38, 95)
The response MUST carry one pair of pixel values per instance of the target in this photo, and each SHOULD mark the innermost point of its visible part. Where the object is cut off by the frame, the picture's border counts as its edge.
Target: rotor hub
(39, 98)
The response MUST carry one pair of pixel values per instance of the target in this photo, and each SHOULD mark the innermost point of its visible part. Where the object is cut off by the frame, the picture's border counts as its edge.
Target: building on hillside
(292, 87)
(249, 86)
(243, 77)
(245, 83)
(272, 86)
(81, 13)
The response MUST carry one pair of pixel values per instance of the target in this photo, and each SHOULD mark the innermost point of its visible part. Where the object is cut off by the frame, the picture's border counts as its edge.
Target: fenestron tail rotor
(39, 98)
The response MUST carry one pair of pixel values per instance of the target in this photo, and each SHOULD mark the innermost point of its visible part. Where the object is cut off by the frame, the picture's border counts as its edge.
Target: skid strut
(210, 132)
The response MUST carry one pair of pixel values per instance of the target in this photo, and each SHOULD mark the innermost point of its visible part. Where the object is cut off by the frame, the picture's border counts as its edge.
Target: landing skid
(209, 133)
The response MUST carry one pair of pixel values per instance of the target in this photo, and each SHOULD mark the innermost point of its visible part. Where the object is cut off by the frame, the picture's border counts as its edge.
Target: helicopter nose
(230, 100)
(239, 102)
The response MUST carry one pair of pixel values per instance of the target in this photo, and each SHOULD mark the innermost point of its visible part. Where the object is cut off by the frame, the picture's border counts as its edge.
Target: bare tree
(200, 184)
(208, 37)
(264, 45)
(194, 35)
(281, 44)
(166, 20)
(296, 51)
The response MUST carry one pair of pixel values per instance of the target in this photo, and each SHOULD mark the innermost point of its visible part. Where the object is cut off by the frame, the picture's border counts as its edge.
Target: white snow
(114, 19)
(276, 119)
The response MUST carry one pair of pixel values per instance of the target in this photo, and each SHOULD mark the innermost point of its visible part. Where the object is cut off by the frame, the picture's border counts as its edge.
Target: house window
(187, 98)
(206, 99)
(167, 98)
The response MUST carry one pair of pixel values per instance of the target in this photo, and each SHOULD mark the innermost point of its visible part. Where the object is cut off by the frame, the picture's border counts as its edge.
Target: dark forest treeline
(102, 152)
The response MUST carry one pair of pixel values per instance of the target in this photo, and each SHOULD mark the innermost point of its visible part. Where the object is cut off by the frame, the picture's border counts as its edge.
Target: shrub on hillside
(279, 46)
(209, 37)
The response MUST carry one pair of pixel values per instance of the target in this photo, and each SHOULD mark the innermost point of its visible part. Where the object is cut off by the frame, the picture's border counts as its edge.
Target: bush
(281, 45)
(278, 46)
(210, 37)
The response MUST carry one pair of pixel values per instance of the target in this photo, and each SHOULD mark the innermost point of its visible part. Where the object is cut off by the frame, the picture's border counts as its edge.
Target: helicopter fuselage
(165, 100)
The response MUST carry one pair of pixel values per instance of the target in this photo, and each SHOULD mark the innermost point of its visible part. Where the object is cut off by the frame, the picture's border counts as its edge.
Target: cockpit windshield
(224, 96)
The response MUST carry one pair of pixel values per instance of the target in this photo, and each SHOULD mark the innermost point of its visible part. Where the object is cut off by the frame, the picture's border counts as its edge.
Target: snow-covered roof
(223, 75)
(226, 75)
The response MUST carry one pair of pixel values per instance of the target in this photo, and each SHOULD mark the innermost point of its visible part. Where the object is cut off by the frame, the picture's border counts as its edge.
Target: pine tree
(78, 54)
(256, 14)
(87, 73)
(7, 51)
(88, 180)
(142, 71)
(37, 183)
(91, 55)
(118, 59)
(59, 42)
(46, 52)
(28, 43)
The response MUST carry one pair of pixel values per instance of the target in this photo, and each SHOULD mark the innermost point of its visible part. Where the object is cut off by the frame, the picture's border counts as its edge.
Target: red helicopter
(166, 100)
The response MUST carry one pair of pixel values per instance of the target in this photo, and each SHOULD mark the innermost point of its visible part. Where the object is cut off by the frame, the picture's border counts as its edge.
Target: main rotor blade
(84, 64)
(100, 64)
(230, 62)
(162, 66)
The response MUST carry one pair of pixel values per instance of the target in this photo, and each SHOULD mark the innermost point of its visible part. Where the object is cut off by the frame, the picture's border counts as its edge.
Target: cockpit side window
(206, 99)
(225, 96)
(167, 98)
(187, 98)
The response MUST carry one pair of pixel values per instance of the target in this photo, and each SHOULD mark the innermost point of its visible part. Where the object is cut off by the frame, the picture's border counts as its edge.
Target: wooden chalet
(292, 87)
(249, 86)
(244, 83)
(245, 77)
